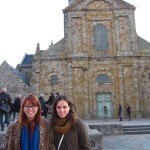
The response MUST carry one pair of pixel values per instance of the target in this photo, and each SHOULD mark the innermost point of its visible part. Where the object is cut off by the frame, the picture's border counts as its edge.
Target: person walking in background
(129, 112)
(42, 102)
(31, 131)
(51, 99)
(70, 133)
(105, 113)
(120, 112)
(57, 94)
(16, 106)
(4, 99)
(49, 103)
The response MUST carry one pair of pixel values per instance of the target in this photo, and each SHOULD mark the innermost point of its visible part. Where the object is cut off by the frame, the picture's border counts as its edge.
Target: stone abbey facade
(100, 61)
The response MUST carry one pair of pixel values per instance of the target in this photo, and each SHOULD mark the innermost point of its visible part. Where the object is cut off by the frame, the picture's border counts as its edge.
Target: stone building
(15, 82)
(100, 61)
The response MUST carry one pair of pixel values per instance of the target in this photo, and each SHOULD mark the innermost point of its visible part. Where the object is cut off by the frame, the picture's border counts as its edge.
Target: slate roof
(18, 74)
(24, 78)
(27, 60)
(143, 44)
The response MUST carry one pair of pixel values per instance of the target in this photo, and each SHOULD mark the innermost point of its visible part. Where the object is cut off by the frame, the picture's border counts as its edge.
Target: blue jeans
(15, 115)
(2, 121)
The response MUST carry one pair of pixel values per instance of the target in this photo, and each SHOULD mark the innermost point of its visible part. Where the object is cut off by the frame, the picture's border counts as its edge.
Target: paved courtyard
(127, 142)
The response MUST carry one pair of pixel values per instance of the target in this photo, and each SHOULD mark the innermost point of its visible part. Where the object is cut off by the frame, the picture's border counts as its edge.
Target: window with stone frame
(54, 79)
(103, 78)
(100, 37)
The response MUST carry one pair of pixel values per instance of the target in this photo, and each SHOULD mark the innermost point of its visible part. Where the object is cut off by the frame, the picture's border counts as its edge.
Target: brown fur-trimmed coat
(13, 137)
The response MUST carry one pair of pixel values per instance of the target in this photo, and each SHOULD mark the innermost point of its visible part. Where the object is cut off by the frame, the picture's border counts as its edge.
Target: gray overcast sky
(24, 23)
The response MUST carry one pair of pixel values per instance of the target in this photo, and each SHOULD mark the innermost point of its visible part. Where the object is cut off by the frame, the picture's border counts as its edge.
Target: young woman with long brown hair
(70, 133)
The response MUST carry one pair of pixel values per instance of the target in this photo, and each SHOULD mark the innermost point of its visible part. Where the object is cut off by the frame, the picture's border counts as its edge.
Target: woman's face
(62, 108)
(30, 110)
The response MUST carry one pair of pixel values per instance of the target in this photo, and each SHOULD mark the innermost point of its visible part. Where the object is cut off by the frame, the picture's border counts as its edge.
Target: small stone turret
(37, 48)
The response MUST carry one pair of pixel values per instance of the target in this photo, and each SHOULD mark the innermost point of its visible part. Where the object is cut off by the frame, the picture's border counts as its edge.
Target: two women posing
(31, 132)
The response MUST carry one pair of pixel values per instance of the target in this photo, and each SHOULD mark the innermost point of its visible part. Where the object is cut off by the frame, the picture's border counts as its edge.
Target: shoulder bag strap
(60, 141)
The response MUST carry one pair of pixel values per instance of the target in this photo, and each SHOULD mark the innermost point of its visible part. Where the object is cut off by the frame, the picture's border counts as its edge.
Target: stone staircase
(136, 129)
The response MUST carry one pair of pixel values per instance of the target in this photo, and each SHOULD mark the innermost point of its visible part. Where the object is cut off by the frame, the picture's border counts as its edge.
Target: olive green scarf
(63, 125)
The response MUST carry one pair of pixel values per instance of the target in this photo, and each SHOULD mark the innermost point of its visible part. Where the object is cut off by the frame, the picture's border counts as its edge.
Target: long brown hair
(33, 100)
(70, 116)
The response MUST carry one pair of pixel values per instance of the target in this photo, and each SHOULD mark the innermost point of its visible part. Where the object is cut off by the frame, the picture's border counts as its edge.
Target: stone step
(138, 129)
(135, 126)
(137, 132)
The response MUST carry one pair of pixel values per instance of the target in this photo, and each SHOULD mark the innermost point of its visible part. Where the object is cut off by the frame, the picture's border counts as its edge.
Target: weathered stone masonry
(76, 62)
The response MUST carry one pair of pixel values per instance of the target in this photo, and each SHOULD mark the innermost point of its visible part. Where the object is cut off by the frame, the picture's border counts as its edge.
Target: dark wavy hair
(33, 100)
(71, 114)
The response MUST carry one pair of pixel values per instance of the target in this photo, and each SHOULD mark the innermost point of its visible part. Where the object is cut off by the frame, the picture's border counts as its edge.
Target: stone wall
(108, 129)
(77, 63)
(96, 139)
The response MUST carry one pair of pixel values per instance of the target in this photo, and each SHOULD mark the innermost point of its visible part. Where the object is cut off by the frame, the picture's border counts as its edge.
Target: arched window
(103, 78)
(54, 79)
(100, 37)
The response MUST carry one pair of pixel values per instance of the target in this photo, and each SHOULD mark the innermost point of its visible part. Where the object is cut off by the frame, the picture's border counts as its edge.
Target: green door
(104, 99)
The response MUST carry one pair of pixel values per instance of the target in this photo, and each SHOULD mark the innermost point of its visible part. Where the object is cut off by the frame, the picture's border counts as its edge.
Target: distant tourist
(43, 105)
(16, 106)
(49, 103)
(120, 112)
(5, 100)
(57, 95)
(105, 113)
(129, 112)
(51, 99)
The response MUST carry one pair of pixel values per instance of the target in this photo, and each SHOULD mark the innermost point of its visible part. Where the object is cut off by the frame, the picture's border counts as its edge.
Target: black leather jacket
(5, 98)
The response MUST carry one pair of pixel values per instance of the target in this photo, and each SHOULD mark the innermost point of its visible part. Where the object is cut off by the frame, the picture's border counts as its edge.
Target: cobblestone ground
(1, 141)
(127, 142)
